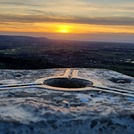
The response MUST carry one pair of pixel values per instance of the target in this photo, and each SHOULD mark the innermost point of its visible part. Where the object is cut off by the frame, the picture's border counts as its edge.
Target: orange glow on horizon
(67, 28)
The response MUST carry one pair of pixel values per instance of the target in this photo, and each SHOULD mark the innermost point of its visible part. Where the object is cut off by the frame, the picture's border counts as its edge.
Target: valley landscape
(25, 52)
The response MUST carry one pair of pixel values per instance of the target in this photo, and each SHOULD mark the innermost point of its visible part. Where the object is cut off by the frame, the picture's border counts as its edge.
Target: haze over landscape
(98, 20)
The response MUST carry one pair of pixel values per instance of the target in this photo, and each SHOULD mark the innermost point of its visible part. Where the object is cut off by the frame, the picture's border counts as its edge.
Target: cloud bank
(18, 14)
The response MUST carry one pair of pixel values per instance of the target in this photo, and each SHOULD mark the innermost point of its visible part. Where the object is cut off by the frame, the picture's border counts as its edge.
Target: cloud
(73, 7)
(128, 21)
(98, 12)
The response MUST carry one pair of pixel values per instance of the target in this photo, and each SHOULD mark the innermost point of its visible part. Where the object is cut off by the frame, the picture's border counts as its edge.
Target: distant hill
(15, 41)
(17, 38)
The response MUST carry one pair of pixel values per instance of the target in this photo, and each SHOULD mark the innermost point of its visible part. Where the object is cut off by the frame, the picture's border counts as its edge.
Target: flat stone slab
(33, 109)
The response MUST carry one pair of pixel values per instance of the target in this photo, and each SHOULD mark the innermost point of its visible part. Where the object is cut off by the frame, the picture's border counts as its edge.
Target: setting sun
(64, 29)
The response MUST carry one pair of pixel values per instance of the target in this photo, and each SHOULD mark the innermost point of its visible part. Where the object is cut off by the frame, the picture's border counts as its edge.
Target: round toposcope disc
(68, 83)
(65, 84)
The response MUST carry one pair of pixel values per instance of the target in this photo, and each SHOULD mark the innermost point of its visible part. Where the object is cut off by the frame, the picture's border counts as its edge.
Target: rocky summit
(66, 101)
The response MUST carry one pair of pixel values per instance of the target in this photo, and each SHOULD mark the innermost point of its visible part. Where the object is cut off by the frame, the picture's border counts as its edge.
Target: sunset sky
(69, 19)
